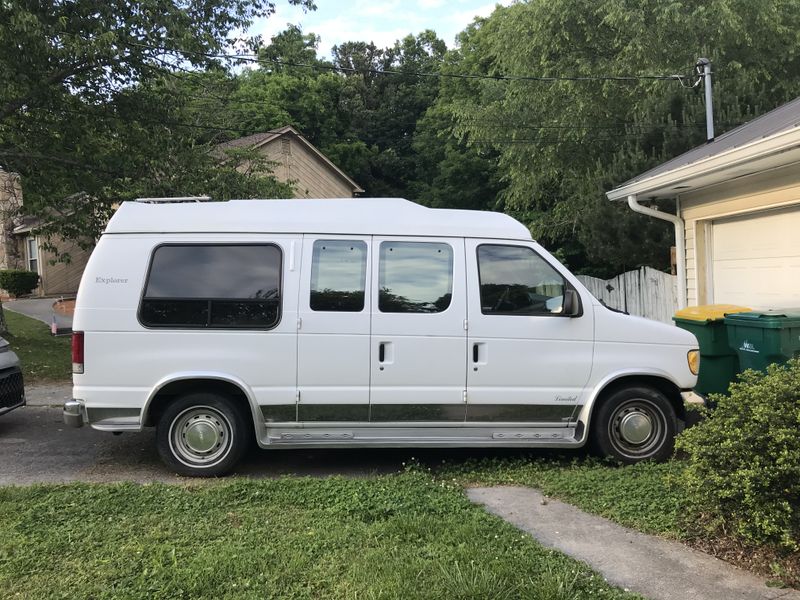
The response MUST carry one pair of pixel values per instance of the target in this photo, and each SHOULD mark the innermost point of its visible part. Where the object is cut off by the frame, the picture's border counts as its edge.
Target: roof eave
(758, 149)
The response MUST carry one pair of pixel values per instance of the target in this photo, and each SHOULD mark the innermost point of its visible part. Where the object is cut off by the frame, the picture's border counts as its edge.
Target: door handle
(381, 352)
(474, 353)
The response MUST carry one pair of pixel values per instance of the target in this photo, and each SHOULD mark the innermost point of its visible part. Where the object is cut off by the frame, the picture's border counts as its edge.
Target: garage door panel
(756, 259)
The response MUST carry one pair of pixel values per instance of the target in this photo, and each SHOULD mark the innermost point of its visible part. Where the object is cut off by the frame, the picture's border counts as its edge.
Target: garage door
(756, 259)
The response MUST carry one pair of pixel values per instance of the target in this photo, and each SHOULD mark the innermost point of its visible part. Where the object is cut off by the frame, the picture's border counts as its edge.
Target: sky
(379, 21)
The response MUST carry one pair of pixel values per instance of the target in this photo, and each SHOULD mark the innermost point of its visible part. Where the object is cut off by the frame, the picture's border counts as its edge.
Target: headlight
(694, 361)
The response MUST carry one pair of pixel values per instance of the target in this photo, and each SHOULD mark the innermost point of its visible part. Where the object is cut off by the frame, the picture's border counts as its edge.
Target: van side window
(515, 280)
(213, 285)
(338, 275)
(415, 277)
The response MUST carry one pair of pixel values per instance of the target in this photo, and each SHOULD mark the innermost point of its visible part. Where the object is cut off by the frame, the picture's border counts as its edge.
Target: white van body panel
(126, 361)
(462, 376)
(333, 363)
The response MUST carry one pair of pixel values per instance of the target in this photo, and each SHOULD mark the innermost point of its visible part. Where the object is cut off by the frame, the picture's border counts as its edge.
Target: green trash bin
(761, 338)
(719, 363)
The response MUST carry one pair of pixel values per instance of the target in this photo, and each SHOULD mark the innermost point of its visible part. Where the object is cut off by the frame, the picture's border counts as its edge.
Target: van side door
(418, 353)
(528, 361)
(334, 329)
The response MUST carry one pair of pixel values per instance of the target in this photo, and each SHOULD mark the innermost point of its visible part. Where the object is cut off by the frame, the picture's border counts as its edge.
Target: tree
(92, 101)
(561, 144)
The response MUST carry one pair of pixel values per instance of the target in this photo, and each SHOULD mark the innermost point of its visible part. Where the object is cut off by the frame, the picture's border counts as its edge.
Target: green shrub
(743, 474)
(18, 283)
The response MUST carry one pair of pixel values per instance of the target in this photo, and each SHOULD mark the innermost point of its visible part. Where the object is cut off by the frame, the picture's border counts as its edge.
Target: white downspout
(680, 242)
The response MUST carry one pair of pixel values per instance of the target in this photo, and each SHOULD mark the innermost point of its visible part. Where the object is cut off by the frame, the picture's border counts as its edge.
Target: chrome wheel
(200, 437)
(637, 428)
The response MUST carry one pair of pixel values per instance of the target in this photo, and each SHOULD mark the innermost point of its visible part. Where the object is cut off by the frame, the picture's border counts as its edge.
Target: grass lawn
(44, 358)
(398, 536)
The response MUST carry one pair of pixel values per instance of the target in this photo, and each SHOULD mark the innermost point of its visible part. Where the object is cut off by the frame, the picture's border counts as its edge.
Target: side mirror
(572, 304)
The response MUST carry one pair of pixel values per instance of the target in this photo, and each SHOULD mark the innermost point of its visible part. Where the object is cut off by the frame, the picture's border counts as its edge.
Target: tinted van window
(338, 275)
(213, 285)
(415, 277)
(517, 281)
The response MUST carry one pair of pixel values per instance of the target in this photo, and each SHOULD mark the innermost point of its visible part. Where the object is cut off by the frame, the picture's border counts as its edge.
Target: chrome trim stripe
(279, 413)
(519, 413)
(333, 412)
(417, 412)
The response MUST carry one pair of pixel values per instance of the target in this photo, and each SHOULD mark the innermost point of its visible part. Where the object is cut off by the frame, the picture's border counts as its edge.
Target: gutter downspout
(680, 242)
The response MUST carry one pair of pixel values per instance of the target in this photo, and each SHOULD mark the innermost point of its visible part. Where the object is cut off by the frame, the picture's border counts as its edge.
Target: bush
(743, 474)
(18, 283)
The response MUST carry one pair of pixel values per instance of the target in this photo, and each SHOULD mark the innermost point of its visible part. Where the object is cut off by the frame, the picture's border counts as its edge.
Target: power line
(255, 59)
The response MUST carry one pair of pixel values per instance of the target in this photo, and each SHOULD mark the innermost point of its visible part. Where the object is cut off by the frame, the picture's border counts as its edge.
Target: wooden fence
(645, 292)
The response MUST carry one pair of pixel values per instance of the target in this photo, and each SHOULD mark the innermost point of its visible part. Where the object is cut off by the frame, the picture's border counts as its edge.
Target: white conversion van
(359, 323)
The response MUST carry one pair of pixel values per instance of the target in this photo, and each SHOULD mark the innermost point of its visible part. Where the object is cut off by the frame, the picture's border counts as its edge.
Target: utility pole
(703, 67)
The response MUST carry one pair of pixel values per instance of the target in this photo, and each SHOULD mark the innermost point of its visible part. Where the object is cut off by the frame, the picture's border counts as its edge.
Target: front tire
(201, 435)
(635, 424)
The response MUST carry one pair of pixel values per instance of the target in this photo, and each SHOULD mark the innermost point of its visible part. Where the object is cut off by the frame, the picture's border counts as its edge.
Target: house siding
(761, 191)
(62, 278)
(310, 176)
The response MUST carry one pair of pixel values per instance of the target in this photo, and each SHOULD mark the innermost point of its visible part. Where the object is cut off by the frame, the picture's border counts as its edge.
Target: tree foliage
(106, 101)
(90, 109)
(562, 144)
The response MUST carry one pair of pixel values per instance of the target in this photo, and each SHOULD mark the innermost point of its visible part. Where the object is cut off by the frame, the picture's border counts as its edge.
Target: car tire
(634, 424)
(202, 435)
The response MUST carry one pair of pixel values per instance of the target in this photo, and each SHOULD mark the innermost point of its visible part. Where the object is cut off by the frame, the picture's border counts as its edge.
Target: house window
(33, 254)
(222, 286)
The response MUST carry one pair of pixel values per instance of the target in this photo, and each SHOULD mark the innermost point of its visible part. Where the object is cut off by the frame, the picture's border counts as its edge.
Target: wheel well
(182, 387)
(670, 390)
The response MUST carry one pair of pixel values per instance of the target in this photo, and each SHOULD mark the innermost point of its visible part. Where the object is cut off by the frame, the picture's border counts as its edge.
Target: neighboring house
(298, 162)
(738, 218)
(21, 249)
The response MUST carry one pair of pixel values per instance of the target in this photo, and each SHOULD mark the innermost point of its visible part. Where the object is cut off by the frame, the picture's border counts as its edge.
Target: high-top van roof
(362, 216)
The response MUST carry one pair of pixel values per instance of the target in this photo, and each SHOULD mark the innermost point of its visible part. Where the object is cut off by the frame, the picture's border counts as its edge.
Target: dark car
(12, 389)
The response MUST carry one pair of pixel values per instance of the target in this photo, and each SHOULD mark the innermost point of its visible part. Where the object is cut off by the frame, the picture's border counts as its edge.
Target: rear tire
(635, 424)
(202, 435)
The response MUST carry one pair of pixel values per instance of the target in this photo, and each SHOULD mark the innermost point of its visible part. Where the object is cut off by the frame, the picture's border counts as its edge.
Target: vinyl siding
(750, 194)
(311, 177)
(62, 278)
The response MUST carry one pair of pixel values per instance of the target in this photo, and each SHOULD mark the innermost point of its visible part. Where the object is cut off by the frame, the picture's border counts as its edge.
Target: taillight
(77, 352)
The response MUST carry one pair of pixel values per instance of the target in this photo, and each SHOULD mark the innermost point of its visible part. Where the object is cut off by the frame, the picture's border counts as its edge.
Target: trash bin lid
(767, 319)
(709, 312)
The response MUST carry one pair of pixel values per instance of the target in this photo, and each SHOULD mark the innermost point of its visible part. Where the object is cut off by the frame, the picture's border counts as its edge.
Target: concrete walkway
(40, 309)
(653, 567)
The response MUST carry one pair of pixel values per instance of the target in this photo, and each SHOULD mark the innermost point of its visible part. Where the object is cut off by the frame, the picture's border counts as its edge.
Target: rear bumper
(12, 389)
(73, 413)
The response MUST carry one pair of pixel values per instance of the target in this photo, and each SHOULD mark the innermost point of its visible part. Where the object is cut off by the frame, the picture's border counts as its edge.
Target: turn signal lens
(694, 361)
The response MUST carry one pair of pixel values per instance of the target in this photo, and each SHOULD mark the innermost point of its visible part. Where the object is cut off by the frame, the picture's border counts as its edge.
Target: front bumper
(73, 413)
(12, 389)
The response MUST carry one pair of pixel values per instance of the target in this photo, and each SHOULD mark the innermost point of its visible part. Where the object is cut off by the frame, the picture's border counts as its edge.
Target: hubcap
(200, 436)
(635, 427)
